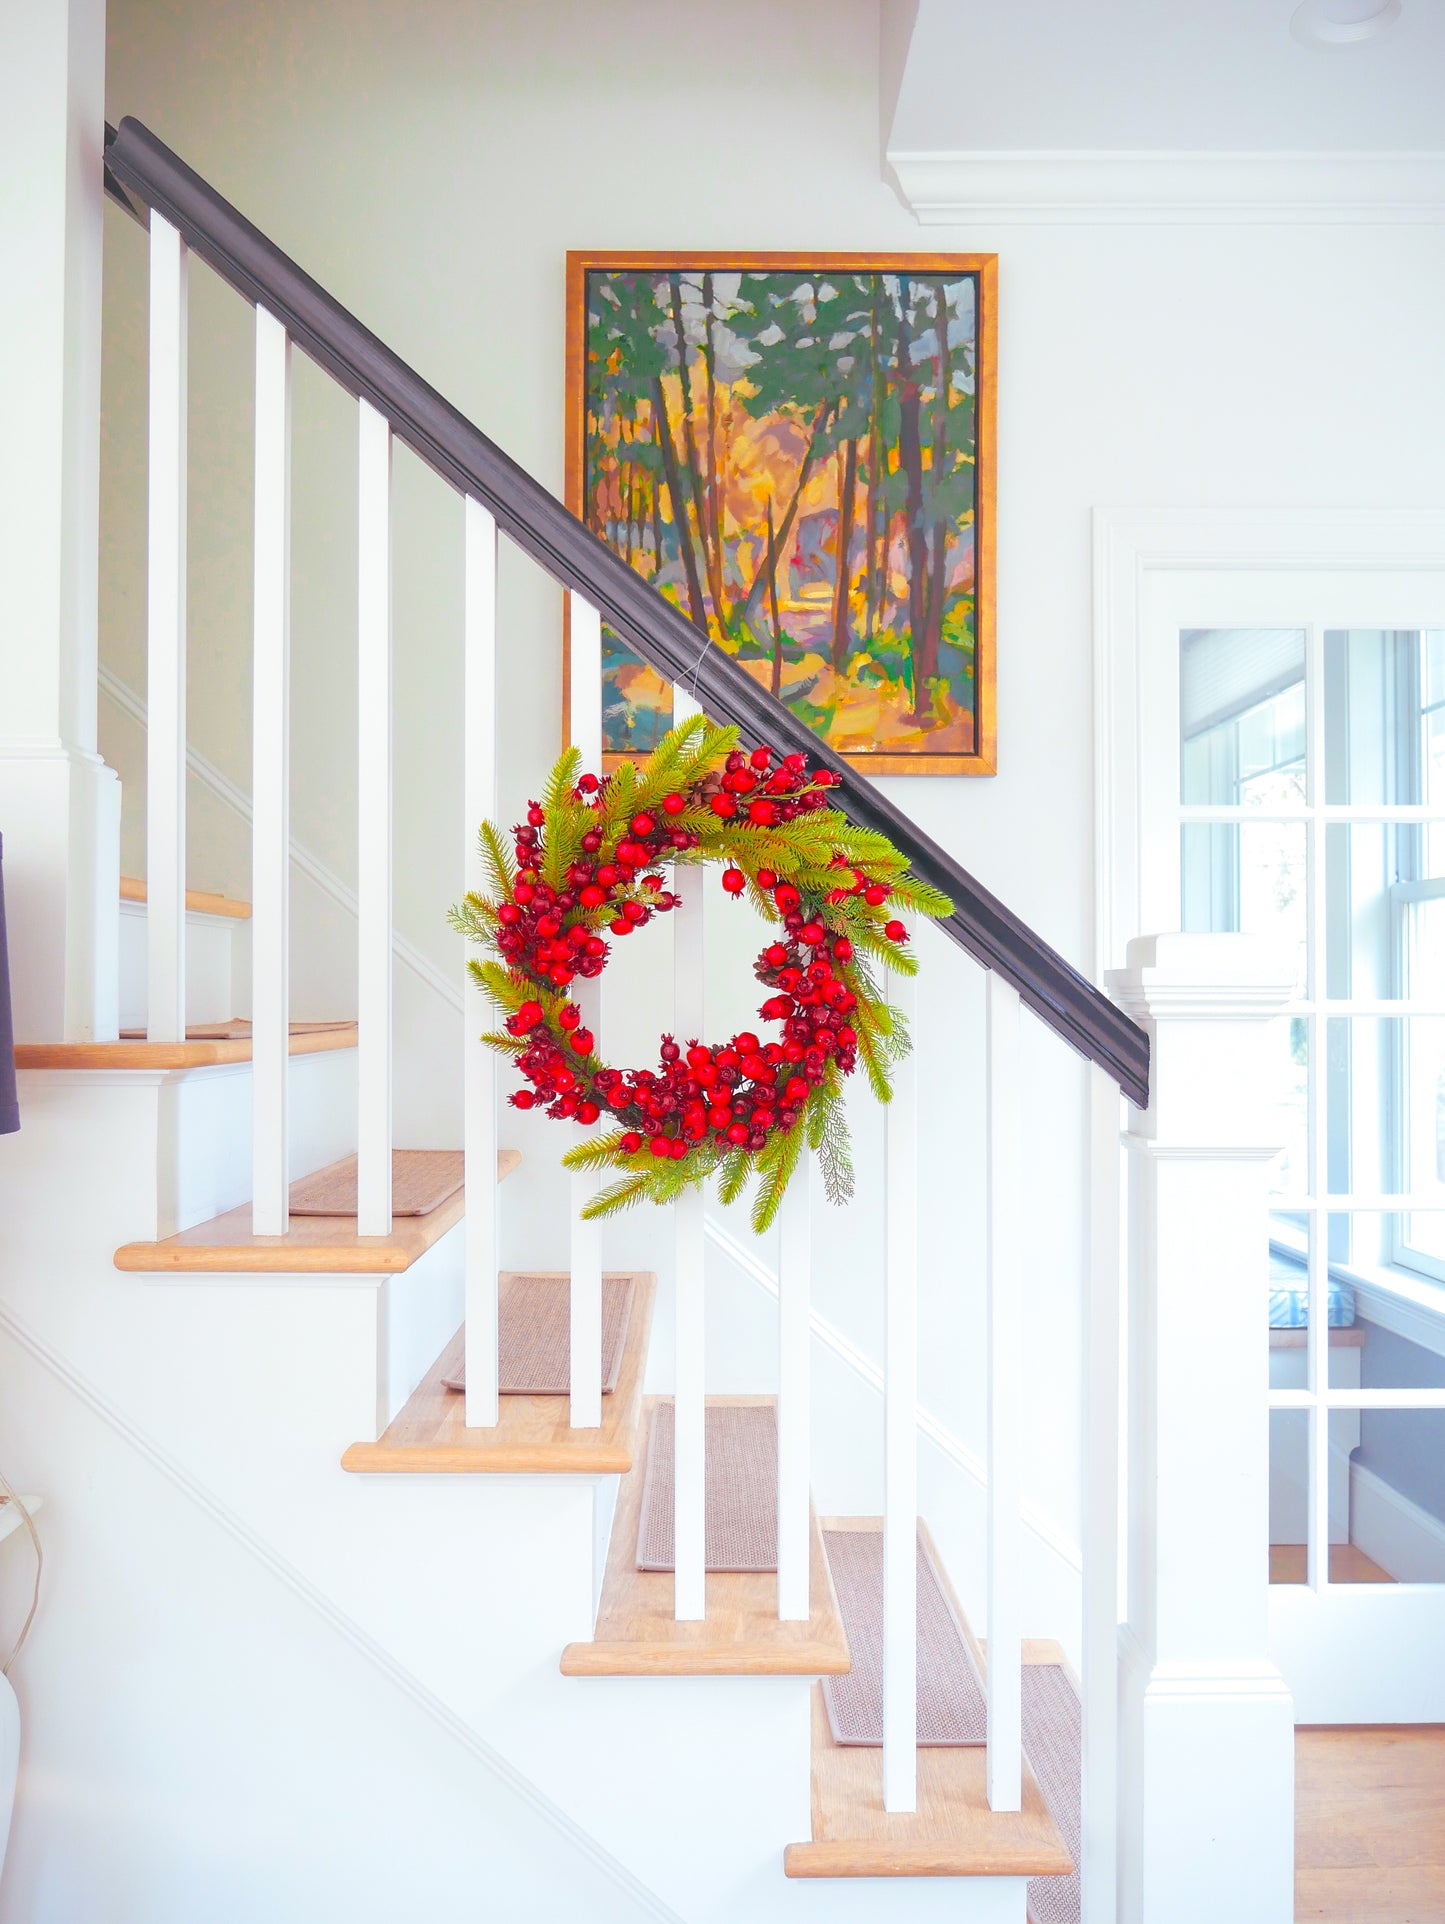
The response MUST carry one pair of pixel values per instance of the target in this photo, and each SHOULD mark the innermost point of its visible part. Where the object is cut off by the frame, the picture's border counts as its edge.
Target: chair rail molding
(949, 187)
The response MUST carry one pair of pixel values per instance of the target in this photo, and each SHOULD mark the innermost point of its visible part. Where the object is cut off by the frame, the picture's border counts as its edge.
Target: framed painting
(798, 451)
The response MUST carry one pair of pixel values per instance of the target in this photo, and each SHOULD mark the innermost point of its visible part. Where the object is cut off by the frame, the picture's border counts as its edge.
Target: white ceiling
(1131, 75)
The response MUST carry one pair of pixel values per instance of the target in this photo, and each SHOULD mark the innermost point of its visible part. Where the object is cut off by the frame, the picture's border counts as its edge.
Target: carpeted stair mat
(534, 1335)
(951, 1707)
(1053, 1742)
(741, 1496)
(421, 1181)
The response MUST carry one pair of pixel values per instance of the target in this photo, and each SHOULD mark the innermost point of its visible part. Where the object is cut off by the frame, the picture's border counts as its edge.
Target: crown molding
(950, 187)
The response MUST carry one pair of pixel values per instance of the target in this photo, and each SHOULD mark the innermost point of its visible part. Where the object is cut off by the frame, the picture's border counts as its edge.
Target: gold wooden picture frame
(800, 451)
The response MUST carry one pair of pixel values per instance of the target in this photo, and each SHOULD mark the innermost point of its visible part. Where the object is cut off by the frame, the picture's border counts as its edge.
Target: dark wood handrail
(144, 173)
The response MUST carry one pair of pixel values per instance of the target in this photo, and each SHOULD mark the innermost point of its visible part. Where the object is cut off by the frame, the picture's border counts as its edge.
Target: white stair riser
(157, 1150)
(216, 988)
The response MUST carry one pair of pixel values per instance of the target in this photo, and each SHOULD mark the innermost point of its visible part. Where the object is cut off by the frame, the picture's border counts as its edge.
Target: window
(1312, 785)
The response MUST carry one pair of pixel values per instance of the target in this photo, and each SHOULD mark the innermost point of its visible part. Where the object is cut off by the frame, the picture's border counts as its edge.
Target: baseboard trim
(376, 1653)
(1393, 1530)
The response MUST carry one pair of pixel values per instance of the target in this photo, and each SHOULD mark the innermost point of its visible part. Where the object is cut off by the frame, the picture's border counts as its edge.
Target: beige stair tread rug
(951, 1707)
(534, 1335)
(1053, 1741)
(741, 1495)
(421, 1181)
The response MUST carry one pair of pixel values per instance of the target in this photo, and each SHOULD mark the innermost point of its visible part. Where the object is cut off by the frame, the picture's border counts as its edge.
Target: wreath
(588, 863)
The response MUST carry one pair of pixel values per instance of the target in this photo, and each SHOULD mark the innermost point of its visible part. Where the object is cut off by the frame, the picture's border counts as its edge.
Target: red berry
(677, 1149)
(652, 883)
(660, 1146)
(766, 878)
(529, 1015)
(581, 1042)
(559, 976)
(523, 1099)
(634, 911)
(895, 932)
(775, 955)
(786, 896)
(843, 949)
(746, 1044)
(523, 892)
(570, 1016)
(698, 1057)
(719, 1116)
(875, 895)
(621, 926)
(509, 913)
(592, 841)
(762, 758)
(776, 1008)
(797, 1088)
(535, 816)
(734, 881)
(588, 1112)
(592, 897)
(630, 1143)
(607, 875)
(811, 933)
(738, 1133)
(587, 783)
(763, 813)
(673, 804)
(643, 824)
(723, 805)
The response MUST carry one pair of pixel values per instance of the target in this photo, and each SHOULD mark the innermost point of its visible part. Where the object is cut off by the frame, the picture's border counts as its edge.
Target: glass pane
(1367, 916)
(1367, 1353)
(1289, 1433)
(1288, 1301)
(1372, 705)
(1386, 1105)
(1248, 876)
(1391, 1522)
(1242, 716)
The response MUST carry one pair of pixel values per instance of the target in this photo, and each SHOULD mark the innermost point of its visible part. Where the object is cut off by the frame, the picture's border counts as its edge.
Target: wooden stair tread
(198, 901)
(429, 1433)
(314, 1245)
(637, 1636)
(307, 1038)
(953, 1833)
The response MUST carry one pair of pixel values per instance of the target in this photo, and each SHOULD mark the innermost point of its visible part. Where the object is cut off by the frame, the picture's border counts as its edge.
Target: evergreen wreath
(588, 859)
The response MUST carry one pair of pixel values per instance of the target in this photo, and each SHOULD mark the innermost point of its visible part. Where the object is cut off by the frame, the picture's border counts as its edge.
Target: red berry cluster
(743, 1091)
(778, 795)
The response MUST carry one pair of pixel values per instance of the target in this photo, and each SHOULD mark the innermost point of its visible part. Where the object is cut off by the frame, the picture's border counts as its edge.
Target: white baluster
(689, 1359)
(166, 641)
(373, 812)
(479, 1074)
(900, 1425)
(795, 1257)
(585, 704)
(1005, 1391)
(271, 779)
(1101, 1506)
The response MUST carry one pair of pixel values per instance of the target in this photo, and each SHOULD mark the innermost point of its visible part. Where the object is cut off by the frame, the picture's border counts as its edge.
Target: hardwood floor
(1370, 1824)
(1348, 1564)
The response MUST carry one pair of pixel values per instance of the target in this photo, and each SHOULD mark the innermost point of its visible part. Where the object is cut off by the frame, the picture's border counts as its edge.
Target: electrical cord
(8, 1491)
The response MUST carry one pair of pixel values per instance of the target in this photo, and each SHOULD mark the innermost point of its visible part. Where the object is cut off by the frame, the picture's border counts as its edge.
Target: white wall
(431, 166)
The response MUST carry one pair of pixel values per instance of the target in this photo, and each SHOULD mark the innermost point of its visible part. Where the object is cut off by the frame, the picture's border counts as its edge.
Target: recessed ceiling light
(1343, 23)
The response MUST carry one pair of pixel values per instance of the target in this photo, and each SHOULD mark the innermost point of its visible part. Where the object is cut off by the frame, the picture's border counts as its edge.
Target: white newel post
(1206, 1722)
(59, 803)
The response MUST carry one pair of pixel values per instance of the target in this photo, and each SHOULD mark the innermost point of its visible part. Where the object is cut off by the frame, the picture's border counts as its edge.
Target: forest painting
(799, 455)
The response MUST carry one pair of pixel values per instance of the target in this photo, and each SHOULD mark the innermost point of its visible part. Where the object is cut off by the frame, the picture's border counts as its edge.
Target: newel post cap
(1204, 999)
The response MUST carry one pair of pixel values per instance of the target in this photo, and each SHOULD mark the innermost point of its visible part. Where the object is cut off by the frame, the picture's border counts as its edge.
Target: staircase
(484, 1543)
